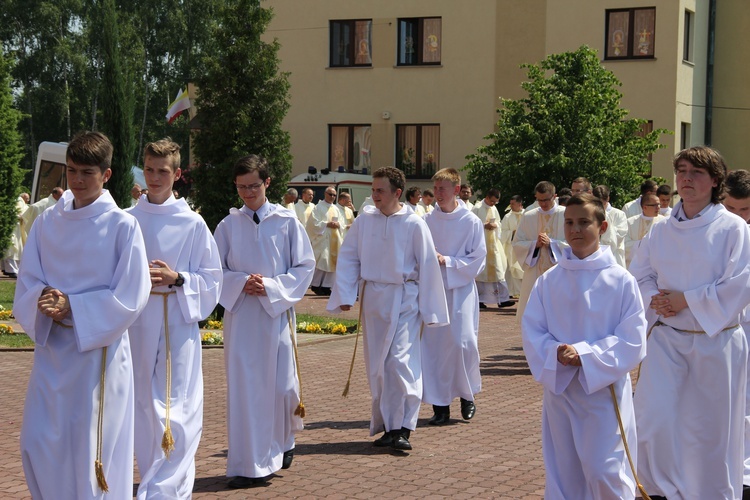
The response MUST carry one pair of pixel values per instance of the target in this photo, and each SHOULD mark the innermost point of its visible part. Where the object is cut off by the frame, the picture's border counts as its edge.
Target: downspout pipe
(710, 73)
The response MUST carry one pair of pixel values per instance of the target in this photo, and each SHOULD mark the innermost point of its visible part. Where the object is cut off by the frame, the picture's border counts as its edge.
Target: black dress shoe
(385, 440)
(241, 482)
(745, 492)
(401, 439)
(468, 409)
(507, 303)
(442, 415)
(287, 461)
(482, 305)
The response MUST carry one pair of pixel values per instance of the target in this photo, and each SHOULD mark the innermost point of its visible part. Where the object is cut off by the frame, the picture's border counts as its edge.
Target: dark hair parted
(602, 192)
(395, 177)
(737, 184)
(709, 160)
(648, 186)
(412, 191)
(664, 189)
(90, 149)
(249, 164)
(493, 193)
(584, 199)
(544, 187)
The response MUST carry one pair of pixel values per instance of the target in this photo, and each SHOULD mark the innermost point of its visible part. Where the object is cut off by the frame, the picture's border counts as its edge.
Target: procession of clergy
(117, 363)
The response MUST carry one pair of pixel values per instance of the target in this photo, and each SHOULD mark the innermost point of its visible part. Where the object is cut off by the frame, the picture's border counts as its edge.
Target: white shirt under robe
(395, 257)
(178, 236)
(491, 284)
(594, 305)
(326, 242)
(532, 223)
(514, 271)
(614, 236)
(262, 379)
(96, 256)
(690, 398)
(638, 228)
(303, 211)
(450, 354)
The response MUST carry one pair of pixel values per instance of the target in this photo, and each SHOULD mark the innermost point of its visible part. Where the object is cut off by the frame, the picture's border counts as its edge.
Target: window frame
(352, 52)
(349, 160)
(419, 45)
(688, 36)
(629, 52)
(418, 152)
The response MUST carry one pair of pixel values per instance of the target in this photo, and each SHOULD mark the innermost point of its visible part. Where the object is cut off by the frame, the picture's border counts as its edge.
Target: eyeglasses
(545, 200)
(330, 194)
(249, 187)
(651, 205)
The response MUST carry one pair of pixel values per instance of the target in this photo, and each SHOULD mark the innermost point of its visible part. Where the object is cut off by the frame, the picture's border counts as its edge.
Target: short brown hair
(737, 184)
(602, 192)
(448, 174)
(545, 187)
(584, 199)
(710, 160)
(582, 180)
(90, 149)
(249, 164)
(164, 148)
(395, 177)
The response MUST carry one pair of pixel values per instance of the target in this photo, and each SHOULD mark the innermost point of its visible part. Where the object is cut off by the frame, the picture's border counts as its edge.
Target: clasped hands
(668, 303)
(567, 355)
(254, 285)
(53, 303)
(542, 240)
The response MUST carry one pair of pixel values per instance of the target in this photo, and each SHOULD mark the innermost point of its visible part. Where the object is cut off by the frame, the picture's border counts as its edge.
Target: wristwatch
(179, 281)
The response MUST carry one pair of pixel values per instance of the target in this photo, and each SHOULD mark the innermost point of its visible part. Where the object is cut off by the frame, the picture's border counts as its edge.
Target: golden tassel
(167, 440)
(356, 340)
(98, 466)
(644, 495)
(300, 410)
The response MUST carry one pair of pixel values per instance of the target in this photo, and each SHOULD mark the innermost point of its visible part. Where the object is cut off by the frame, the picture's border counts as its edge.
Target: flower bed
(6, 329)
(5, 314)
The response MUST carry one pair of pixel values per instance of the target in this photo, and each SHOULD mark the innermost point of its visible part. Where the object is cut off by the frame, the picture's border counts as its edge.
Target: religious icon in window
(618, 44)
(338, 155)
(644, 42)
(432, 43)
(364, 48)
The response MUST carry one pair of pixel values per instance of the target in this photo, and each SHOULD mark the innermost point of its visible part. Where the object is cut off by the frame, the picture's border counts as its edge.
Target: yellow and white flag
(180, 104)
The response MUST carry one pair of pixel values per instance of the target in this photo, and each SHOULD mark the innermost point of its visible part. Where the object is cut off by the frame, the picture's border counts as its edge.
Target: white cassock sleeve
(29, 288)
(234, 281)
(347, 270)
(463, 269)
(200, 293)
(433, 305)
(286, 289)
(640, 267)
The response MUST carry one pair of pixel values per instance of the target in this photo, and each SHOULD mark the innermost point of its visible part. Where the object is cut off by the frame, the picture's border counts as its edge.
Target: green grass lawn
(7, 290)
(18, 340)
(310, 318)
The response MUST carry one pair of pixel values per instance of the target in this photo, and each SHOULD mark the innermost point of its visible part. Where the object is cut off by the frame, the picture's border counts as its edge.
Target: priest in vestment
(508, 228)
(12, 255)
(640, 225)
(304, 206)
(390, 253)
(491, 285)
(465, 196)
(324, 229)
(346, 213)
(538, 238)
(413, 196)
(186, 281)
(84, 279)
(694, 271)
(617, 226)
(633, 208)
(268, 264)
(450, 354)
(583, 330)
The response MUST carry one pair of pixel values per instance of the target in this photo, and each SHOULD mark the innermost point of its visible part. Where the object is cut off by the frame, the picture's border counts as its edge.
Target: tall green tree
(117, 108)
(242, 98)
(11, 153)
(570, 125)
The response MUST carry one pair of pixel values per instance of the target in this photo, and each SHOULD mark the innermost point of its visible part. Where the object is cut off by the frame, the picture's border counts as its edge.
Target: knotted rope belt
(300, 410)
(356, 339)
(167, 440)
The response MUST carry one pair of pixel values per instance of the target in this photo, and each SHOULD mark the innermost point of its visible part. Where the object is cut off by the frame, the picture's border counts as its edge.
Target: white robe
(514, 271)
(262, 380)
(35, 210)
(427, 208)
(633, 208)
(178, 236)
(325, 241)
(303, 211)
(532, 223)
(95, 255)
(12, 256)
(614, 236)
(594, 305)
(638, 228)
(418, 209)
(450, 354)
(491, 281)
(745, 324)
(690, 399)
(398, 298)
(346, 219)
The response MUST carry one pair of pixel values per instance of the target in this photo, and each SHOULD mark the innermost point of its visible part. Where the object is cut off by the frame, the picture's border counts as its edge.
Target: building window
(684, 135)
(351, 43)
(418, 150)
(419, 41)
(646, 128)
(630, 33)
(349, 146)
(687, 39)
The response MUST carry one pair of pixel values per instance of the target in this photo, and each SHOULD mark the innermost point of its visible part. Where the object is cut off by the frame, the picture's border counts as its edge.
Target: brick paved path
(496, 455)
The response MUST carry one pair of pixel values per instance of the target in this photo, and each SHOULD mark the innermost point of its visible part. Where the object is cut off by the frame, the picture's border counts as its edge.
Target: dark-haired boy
(83, 281)
(185, 285)
(583, 330)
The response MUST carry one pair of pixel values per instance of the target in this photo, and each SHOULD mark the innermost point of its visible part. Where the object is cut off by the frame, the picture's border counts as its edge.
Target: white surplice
(173, 233)
(418, 209)
(450, 354)
(533, 223)
(262, 379)
(614, 236)
(594, 305)
(638, 228)
(35, 210)
(96, 256)
(12, 256)
(690, 398)
(303, 211)
(325, 241)
(633, 208)
(491, 284)
(427, 208)
(395, 257)
(745, 324)
(346, 219)
(514, 271)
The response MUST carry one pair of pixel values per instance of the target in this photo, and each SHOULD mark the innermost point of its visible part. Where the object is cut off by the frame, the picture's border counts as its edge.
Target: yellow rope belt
(300, 410)
(101, 480)
(356, 339)
(644, 495)
(167, 440)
